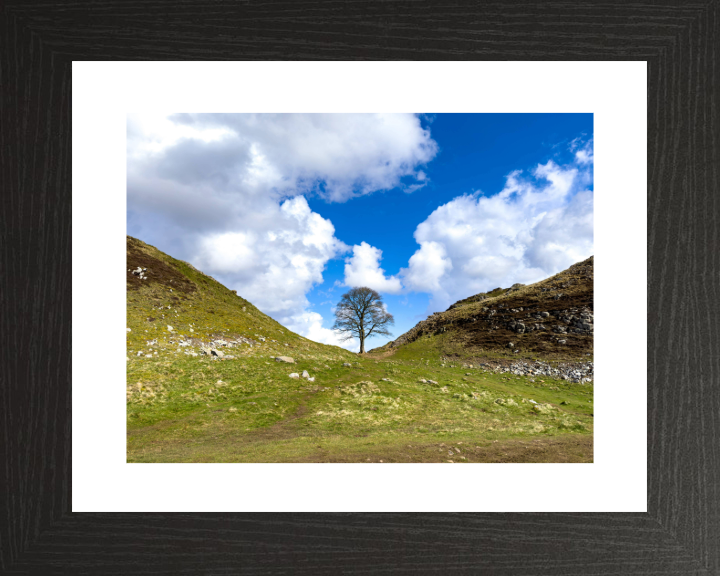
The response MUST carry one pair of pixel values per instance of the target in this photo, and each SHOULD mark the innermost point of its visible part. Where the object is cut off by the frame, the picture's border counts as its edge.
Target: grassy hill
(427, 399)
(551, 319)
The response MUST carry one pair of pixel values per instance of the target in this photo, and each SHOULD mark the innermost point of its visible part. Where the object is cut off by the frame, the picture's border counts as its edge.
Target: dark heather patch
(158, 272)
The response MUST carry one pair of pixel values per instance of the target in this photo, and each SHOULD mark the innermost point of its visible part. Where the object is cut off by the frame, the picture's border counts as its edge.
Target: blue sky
(292, 210)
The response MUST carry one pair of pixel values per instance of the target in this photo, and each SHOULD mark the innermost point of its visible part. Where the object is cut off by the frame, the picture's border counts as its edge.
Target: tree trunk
(362, 345)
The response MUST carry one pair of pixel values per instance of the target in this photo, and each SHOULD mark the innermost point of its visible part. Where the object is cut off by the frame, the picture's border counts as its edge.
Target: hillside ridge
(174, 308)
(552, 316)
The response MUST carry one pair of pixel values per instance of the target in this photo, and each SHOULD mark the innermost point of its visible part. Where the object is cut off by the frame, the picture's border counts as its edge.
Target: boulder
(285, 359)
(217, 353)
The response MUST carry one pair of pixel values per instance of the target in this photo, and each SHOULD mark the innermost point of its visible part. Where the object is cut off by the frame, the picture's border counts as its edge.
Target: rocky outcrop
(549, 315)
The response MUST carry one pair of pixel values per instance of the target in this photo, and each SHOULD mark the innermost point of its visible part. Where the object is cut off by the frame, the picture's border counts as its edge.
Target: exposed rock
(347, 364)
(285, 359)
(543, 408)
(305, 374)
(170, 328)
(295, 375)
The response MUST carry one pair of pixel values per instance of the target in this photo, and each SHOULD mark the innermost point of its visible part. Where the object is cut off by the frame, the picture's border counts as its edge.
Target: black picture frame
(680, 533)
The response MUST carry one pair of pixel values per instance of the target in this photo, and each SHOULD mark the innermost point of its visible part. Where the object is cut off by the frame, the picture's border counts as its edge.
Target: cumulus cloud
(309, 324)
(363, 269)
(540, 223)
(337, 156)
(273, 266)
(227, 192)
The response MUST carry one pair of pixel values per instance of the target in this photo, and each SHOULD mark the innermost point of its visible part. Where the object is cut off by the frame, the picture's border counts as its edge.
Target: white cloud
(226, 192)
(427, 266)
(273, 267)
(536, 226)
(309, 324)
(363, 269)
(583, 151)
(336, 155)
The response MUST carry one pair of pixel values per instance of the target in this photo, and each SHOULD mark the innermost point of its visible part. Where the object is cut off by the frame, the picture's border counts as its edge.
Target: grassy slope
(475, 327)
(183, 408)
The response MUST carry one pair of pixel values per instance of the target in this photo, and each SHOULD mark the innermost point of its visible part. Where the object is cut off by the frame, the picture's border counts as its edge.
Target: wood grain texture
(680, 534)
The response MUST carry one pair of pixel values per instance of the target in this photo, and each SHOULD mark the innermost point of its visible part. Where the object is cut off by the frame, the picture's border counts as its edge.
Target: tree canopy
(361, 314)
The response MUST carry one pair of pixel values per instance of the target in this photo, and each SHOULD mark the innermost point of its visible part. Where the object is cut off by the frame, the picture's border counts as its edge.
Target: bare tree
(361, 314)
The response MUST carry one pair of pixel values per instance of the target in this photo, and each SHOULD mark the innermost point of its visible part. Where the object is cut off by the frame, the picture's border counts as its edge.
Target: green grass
(183, 408)
(186, 409)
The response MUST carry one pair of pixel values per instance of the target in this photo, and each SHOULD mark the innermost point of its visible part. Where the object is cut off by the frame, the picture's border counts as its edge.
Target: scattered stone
(232, 410)
(191, 330)
(170, 328)
(217, 353)
(305, 374)
(285, 359)
(129, 330)
(347, 364)
(295, 375)
(511, 345)
(422, 381)
(431, 382)
(311, 379)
